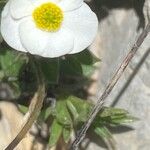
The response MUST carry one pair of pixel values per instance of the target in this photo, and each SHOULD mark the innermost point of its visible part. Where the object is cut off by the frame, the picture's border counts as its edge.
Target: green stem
(34, 108)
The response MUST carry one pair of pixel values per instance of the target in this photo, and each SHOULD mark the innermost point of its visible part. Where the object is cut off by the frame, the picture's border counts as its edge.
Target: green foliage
(50, 68)
(45, 113)
(103, 132)
(55, 132)
(23, 109)
(2, 3)
(86, 60)
(63, 76)
(115, 116)
(11, 63)
(66, 134)
(78, 64)
(17, 70)
(72, 111)
(62, 114)
(79, 108)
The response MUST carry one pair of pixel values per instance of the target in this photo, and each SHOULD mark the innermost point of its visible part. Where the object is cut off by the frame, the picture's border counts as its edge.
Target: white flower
(49, 28)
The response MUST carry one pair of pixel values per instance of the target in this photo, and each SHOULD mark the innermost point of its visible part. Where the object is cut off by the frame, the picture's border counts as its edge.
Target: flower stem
(34, 108)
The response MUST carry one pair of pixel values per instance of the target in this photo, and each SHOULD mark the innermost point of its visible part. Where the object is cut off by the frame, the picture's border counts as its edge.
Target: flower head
(48, 17)
(49, 28)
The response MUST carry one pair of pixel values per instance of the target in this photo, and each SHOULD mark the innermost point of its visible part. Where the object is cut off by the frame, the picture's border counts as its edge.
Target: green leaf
(79, 64)
(66, 134)
(124, 120)
(48, 112)
(106, 135)
(62, 114)
(50, 68)
(110, 111)
(114, 116)
(87, 58)
(87, 61)
(73, 110)
(69, 66)
(11, 62)
(103, 132)
(81, 108)
(55, 133)
(23, 108)
(88, 70)
(45, 114)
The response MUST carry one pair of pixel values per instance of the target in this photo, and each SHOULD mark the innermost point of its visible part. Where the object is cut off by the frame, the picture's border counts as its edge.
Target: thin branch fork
(109, 88)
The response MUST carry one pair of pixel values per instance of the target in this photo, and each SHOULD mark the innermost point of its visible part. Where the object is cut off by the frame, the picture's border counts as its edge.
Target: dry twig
(109, 88)
(34, 109)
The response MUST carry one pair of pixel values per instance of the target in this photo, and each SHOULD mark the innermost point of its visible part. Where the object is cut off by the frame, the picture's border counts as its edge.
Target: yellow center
(48, 17)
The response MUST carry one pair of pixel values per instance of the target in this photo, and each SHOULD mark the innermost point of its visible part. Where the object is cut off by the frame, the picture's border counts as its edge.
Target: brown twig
(34, 109)
(109, 88)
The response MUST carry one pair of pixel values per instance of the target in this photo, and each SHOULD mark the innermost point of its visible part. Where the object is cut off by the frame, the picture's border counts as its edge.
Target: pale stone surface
(10, 122)
(117, 33)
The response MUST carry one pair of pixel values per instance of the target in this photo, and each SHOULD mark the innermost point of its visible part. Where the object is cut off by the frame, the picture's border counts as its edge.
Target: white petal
(21, 8)
(68, 5)
(84, 24)
(37, 3)
(9, 31)
(6, 9)
(46, 44)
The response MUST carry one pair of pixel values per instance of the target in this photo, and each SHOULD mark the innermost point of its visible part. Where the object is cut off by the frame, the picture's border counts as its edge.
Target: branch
(109, 88)
(34, 108)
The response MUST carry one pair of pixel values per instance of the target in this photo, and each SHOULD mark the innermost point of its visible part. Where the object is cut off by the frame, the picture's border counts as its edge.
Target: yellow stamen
(48, 17)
